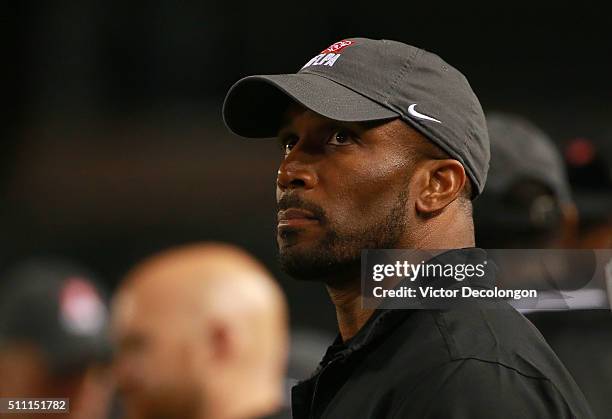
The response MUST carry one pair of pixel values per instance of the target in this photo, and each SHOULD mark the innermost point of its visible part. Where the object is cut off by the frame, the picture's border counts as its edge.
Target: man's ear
(221, 341)
(439, 182)
(568, 236)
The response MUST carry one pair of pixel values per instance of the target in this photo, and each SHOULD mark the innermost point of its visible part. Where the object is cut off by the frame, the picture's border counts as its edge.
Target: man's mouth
(296, 217)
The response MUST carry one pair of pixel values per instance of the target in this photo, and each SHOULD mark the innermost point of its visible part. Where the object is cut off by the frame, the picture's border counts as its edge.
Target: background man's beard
(338, 256)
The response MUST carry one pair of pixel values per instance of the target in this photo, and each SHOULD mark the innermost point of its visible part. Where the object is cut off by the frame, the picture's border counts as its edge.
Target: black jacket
(468, 364)
(583, 341)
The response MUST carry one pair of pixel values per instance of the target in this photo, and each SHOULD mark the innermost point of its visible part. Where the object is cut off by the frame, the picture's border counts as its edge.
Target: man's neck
(346, 295)
(351, 316)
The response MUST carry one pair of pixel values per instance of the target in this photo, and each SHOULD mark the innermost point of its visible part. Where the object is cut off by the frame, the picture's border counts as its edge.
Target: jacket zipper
(316, 385)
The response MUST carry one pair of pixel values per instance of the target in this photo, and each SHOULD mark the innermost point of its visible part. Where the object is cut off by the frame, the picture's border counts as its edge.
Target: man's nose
(294, 174)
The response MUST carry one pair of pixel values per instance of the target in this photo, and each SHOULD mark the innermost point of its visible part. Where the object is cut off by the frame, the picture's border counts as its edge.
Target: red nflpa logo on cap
(338, 46)
(329, 55)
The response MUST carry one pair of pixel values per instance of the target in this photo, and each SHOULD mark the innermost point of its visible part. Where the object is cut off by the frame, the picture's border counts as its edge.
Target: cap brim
(254, 106)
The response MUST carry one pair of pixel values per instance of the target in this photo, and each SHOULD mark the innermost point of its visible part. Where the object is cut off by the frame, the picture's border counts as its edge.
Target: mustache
(295, 201)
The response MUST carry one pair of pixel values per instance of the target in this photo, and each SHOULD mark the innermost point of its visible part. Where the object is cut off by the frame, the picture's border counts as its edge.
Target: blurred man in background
(528, 204)
(528, 185)
(53, 338)
(200, 332)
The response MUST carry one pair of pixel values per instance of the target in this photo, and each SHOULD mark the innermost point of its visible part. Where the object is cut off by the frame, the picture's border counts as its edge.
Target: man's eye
(341, 138)
(289, 146)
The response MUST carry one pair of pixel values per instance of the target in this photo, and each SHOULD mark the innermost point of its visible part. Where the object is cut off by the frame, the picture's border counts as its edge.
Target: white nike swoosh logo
(419, 115)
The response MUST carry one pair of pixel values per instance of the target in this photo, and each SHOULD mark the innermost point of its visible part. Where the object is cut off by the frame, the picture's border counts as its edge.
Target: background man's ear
(568, 234)
(221, 341)
(441, 182)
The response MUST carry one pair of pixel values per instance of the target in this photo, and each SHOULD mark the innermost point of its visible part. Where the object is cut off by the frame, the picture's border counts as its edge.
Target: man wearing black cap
(528, 205)
(385, 146)
(528, 183)
(53, 340)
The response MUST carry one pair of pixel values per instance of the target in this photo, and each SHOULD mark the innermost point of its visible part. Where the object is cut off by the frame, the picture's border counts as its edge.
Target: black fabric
(583, 341)
(464, 363)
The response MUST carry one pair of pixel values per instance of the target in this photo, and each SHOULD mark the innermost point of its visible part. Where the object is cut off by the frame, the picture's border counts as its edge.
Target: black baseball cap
(56, 306)
(527, 183)
(521, 151)
(360, 79)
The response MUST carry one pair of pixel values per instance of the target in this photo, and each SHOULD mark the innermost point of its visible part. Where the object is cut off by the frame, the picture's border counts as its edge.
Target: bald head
(214, 280)
(194, 321)
(206, 260)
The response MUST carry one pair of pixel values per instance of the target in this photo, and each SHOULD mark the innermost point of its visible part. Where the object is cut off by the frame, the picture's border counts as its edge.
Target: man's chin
(295, 258)
(313, 261)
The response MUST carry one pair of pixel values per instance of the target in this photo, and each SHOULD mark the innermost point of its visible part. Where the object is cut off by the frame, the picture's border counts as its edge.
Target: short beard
(337, 258)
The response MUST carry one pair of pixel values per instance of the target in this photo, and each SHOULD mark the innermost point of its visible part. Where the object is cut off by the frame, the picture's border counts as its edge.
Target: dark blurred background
(114, 145)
